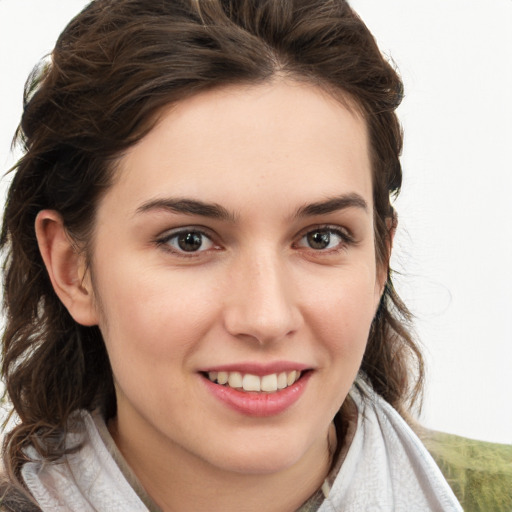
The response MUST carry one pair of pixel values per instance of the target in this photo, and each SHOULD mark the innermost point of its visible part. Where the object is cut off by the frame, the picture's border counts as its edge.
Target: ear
(382, 273)
(391, 225)
(66, 267)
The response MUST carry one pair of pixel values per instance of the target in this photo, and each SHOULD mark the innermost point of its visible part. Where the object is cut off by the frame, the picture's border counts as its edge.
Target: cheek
(342, 311)
(153, 314)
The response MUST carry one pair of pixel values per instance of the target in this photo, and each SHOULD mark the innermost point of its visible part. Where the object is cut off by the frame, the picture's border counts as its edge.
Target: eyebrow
(216, 211)
(332, 205)
(188, 206)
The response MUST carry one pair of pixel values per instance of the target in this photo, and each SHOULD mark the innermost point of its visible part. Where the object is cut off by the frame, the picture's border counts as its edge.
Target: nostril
(260, 326)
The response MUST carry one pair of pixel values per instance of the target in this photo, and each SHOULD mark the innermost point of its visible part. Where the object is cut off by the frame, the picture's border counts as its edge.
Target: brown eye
(188, 241)
(318, 240)
(323, 239)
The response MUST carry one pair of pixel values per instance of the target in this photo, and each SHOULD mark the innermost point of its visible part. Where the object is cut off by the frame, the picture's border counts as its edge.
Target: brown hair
(114, 68)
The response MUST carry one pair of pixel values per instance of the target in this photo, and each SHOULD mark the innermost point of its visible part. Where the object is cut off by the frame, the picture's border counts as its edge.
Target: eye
(324, 239)
(187, 241)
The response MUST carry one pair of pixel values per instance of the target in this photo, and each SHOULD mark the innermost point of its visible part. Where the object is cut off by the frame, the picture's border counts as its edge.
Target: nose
(262, 301)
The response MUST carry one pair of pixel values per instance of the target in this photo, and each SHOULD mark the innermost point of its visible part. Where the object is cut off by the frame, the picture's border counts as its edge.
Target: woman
(200, 309)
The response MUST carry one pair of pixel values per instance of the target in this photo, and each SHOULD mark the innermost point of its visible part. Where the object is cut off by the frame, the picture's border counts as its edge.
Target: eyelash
(165, 241)
(345, 240)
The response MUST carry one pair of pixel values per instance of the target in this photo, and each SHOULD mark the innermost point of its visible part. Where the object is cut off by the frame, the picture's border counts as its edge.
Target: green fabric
(480, 473)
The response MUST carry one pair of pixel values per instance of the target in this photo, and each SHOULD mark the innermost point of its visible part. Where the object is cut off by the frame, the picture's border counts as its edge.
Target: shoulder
(480, 473)
(15, 499)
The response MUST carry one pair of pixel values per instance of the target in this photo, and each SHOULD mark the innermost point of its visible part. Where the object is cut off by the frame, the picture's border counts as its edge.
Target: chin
(261, 465)
(264, 458)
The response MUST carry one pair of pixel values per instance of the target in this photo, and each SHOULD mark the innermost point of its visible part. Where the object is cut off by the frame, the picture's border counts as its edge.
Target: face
(235, 276)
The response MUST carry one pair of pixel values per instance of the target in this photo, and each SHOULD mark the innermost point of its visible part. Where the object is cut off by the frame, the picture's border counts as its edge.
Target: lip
(258, 404)
(257, 368)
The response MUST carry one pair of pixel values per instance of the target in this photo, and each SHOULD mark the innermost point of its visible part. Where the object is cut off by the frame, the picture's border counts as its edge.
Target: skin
(255, 291)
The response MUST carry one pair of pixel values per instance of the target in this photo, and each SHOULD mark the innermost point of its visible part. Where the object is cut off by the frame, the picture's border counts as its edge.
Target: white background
(454, 244)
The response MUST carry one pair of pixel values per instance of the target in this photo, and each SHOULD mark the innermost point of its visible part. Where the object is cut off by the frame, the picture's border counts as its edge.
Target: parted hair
(115, 67)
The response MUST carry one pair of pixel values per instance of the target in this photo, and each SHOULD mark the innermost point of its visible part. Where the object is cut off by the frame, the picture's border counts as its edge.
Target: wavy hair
(114, 68)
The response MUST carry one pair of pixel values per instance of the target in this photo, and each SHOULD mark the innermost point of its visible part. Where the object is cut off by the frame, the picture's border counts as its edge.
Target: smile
(270, 383)
(254, 391)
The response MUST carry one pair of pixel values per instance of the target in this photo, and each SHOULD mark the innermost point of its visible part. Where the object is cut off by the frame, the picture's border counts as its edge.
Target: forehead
(287, 141)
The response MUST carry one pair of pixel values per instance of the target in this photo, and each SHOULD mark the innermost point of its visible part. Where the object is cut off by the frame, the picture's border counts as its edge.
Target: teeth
(235, 380)
(248, 382)
(269, 383)
(251, 383)
(222, 377)
(282, 380)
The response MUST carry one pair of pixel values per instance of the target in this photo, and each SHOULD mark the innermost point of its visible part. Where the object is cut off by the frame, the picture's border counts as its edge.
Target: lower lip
(261, 404)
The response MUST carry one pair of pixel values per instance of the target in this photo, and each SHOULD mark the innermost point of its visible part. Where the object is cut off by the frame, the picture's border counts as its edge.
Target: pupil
(319, 240)
(190, 242)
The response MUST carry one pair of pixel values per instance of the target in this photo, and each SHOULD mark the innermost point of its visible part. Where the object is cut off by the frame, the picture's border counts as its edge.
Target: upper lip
(258, 369)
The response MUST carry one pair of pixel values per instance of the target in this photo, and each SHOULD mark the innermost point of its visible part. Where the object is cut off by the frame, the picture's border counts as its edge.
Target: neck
(180, 481)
